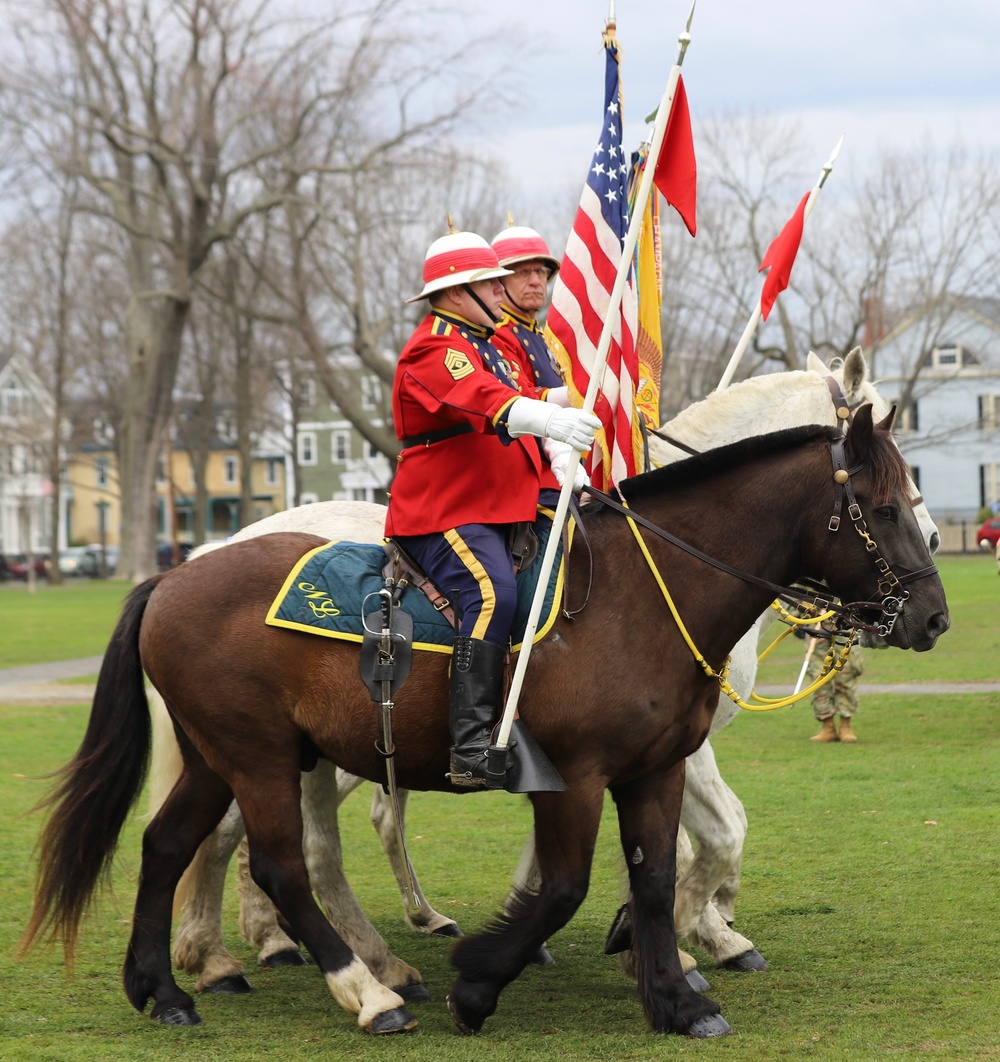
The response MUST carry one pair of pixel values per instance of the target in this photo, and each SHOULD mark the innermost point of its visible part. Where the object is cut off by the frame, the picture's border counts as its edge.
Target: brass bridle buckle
(894, 596)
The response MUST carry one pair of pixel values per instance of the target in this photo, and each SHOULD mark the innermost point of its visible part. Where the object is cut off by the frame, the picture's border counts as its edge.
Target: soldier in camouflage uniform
(838, 697)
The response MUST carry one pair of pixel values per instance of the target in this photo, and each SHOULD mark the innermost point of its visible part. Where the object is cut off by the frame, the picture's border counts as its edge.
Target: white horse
(708, 877)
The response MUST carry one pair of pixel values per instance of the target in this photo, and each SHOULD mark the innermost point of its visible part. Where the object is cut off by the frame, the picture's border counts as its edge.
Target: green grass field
(62, 622)
(868, 883)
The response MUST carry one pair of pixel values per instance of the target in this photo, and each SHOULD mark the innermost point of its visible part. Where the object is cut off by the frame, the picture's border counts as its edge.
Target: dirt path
(44, 684)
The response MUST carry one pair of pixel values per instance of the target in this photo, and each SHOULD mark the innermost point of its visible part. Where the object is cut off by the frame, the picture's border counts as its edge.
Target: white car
(70, 559)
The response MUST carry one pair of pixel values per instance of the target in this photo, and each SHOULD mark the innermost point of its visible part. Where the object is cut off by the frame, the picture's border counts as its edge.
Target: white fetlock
(357, 990)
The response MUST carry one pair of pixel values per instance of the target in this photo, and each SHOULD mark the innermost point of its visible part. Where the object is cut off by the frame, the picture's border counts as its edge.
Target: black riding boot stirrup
(476, 673)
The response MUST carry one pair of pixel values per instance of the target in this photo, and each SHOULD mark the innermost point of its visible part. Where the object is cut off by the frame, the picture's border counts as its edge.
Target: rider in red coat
(519, 336)
(473, 453)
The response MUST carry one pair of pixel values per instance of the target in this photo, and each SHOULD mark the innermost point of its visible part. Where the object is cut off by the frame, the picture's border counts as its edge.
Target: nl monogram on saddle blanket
(323, 595)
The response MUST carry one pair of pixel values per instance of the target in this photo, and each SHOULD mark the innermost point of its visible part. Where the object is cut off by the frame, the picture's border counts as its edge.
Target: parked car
(17, 565)
(69, 561)
(989, 534)
(90, 561)
(165, 554)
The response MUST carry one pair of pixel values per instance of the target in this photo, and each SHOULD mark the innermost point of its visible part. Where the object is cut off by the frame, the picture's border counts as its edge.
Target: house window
(946, 357)
(915, 473)
(989, 412)
(13, 399)
(373, 450)
(101, 471)
(307, 448)
(989, 483)
(271, 471)
(908, 418)
(341, 447)
(371, 393)
(231, 466)
(307, 393)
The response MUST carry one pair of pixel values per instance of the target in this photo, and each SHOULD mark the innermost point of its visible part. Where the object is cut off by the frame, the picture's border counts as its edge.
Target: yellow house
(93, 497)
(93, 506)
(176, 492)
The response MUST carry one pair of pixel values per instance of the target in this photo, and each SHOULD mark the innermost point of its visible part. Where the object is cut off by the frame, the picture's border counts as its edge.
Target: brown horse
(614, 698)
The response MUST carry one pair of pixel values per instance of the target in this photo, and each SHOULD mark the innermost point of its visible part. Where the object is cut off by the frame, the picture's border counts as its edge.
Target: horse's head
(851, 373)
(877, 550)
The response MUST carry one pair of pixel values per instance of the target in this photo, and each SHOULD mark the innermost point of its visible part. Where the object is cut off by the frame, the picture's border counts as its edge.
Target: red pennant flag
(780, 257)
(676, 173)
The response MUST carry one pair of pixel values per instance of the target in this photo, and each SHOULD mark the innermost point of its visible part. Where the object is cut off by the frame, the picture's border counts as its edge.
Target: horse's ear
(859, 435)
(814, 363)
(889, 419)
(855, 374)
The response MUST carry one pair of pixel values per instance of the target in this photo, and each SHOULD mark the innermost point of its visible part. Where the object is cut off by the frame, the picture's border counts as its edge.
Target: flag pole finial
(685, 37)
(828, 165)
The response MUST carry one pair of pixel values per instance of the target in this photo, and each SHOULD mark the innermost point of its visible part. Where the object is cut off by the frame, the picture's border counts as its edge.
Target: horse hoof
(399, 1020)
(542, 957)
(288, 957)
(466, 1027)
(236, 985)
(697, 982)
(749, 962)
(452, 929)
(177, 1016)
(414, 992)
(713, 1025)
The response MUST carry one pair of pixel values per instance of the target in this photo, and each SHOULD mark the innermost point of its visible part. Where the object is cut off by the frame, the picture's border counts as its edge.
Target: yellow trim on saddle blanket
(319, 609)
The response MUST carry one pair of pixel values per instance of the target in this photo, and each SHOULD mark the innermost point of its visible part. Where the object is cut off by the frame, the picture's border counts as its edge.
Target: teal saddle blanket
(325, 594)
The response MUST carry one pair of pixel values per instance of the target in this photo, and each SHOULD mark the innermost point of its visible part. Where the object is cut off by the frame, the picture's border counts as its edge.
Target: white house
(948, 356)
(26, 415)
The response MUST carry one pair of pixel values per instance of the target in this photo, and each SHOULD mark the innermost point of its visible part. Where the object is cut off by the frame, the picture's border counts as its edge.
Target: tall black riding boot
(476, 673)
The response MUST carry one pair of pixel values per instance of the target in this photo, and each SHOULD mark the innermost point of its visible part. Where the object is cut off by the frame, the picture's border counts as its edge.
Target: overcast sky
(887, 73)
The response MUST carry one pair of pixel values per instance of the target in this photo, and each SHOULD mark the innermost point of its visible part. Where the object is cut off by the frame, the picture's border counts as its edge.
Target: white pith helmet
(518, 243)
(458, 258)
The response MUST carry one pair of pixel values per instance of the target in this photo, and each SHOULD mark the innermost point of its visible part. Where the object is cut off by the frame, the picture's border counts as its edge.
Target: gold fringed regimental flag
(649, 294)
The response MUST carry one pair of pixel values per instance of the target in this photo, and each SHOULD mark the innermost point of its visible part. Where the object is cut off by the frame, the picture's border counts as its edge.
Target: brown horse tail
(96, 789)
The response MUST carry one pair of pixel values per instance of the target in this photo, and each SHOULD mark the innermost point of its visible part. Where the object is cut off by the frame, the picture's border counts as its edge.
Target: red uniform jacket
(519, 337)
(449, 376)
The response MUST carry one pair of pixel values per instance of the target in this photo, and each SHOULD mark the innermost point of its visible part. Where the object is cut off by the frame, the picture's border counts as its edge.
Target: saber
(813, 642)
(385, 672)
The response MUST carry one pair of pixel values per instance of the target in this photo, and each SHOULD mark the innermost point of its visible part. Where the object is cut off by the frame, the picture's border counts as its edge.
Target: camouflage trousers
(840, 695)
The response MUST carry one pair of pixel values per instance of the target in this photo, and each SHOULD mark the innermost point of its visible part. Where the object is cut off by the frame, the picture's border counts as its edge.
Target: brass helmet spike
(451, 225)
(510, 220)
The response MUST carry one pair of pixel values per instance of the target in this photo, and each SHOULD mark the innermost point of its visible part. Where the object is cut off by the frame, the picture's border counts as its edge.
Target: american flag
(581, 295)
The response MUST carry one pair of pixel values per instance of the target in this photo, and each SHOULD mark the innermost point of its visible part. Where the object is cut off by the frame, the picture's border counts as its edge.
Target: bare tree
(876, 256)
(184, 118)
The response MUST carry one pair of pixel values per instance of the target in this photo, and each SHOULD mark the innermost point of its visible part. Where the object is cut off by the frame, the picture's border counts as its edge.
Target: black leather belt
(435, 436)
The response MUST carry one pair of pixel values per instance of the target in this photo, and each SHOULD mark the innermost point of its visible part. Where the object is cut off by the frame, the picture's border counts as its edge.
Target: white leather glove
(559, 454)
(528, 416)
(558, 396)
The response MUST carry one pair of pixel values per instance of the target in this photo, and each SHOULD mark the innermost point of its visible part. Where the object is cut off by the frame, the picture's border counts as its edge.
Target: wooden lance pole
(751, 327)
(600, 361)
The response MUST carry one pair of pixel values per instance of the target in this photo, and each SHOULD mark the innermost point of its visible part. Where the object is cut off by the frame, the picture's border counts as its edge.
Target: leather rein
(849, 615)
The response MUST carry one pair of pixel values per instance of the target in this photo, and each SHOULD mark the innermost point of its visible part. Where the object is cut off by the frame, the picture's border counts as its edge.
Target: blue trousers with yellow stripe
(472, 566)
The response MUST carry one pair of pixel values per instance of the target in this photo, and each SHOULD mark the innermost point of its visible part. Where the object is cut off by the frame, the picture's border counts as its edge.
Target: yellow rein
(758, 703)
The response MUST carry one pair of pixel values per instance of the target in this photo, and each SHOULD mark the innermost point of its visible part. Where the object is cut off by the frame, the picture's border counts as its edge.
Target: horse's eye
(887, 512)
